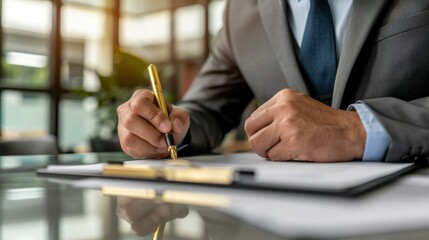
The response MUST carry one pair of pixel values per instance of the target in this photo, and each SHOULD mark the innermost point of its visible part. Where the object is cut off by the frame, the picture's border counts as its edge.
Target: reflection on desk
(144, 217)
(384, 212)
(61, 212)
(40, 208)
(37, 208)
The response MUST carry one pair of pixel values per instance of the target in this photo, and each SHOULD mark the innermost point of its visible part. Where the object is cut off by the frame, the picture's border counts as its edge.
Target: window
(189, 31)
(24, 114)
(86, 45)
(26, 45)
(147, 34)
(87, 52)
(53, 52)
(77, 123)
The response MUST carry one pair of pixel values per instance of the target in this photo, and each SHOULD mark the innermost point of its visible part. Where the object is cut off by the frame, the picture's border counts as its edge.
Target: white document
(76, 169)
(295, 175)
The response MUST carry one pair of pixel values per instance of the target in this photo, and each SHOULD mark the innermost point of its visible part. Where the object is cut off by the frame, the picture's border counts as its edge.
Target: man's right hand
(145, 216)
(142, 125)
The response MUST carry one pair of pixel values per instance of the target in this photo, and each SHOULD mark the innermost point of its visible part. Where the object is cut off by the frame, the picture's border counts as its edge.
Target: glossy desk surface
(34, 207)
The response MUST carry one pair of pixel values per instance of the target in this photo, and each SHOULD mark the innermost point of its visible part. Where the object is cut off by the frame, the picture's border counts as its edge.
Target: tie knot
(319, 3)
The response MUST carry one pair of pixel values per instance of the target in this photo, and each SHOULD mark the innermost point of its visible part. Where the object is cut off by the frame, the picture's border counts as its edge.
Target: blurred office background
(54, 52)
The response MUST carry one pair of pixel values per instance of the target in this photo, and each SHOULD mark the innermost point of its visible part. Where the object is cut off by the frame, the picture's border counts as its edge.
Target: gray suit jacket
(384, 63)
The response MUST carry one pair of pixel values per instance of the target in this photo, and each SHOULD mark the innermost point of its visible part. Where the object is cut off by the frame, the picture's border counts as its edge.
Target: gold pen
(157, 90)
(159, 233)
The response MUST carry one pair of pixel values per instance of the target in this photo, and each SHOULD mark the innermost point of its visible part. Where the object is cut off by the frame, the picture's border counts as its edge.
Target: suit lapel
(276, 27)
(362, 18)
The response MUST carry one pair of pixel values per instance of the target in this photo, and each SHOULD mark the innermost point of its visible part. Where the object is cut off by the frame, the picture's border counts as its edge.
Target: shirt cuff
(377, 139)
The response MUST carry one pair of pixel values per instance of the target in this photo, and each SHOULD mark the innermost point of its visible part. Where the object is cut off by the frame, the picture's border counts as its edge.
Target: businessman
(337, 80)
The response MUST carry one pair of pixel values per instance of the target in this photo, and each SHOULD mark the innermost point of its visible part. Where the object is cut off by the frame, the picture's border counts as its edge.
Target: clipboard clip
(178, 170)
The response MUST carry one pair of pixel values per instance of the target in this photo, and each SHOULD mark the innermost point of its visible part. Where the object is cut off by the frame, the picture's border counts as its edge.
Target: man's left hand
(292, 126)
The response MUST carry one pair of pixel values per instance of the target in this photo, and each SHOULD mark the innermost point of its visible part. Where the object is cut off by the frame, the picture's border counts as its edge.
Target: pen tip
(173, 153)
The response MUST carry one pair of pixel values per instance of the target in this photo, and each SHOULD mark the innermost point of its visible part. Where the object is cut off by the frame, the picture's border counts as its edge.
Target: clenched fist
(292, 126)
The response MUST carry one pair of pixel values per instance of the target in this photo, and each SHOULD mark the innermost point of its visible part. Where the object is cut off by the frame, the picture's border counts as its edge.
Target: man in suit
(378, 105)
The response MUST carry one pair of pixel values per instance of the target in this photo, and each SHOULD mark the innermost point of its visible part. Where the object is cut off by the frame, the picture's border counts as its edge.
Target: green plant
(24, 75)
(129, 73)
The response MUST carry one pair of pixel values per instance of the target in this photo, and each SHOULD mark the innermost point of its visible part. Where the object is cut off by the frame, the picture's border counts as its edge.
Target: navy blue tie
(318, 53)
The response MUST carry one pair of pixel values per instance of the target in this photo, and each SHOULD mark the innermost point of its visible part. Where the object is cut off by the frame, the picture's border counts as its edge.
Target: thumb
(181, 121)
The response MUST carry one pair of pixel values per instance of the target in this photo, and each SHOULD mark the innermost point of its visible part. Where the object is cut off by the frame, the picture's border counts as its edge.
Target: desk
(39, 208)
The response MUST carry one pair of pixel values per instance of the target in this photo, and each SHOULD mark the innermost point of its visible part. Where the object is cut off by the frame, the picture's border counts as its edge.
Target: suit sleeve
(407, 124)
(217, 97)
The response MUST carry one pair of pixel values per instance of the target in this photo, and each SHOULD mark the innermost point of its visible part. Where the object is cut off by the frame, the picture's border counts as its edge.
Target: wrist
(356, 134)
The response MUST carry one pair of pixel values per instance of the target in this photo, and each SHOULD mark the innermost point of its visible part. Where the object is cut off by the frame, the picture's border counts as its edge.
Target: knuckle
(139, 99)
(292, 140)
(287, 121)
(266, 111)
(287, 97)
(287, 101)
(291, 110)
(262, 154)
(155, 115)
(127, 121)
(120, 212)
(287, 92)
(127, 141)
(252, 142)
(284, 105)
(164, 212)
(137, 104)
(256, 148)
(270, 155)
(121, 108)
(273, 155)
(247, 125)
(124, 212)
(139, 92)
